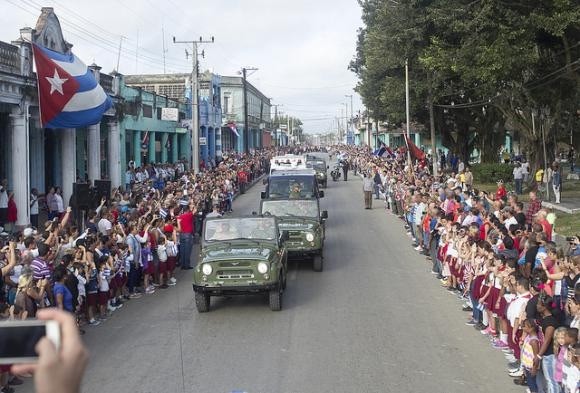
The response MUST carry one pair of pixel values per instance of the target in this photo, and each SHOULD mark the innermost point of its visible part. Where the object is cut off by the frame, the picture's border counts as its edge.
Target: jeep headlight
(309, 237)
(206, 269)
(263, 267)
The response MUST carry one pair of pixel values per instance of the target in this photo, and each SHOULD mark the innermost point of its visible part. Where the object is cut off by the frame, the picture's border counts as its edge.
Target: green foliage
(491, 173)
(484, 64)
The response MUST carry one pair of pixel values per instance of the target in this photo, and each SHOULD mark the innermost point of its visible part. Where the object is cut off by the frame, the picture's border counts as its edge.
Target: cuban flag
(232, 127)
(68, 92)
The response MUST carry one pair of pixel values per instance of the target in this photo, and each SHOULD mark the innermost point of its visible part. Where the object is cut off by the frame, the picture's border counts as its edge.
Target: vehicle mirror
(324, 215)
(263, 195)
(321, 194)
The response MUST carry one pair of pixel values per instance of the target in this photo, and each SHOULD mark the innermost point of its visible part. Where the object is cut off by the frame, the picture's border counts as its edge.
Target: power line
(96, 39)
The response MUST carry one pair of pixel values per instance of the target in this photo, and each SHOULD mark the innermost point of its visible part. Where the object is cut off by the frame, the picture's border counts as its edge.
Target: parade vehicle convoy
(320, 168)
(296, 184)
(241, 256)
(305, 225)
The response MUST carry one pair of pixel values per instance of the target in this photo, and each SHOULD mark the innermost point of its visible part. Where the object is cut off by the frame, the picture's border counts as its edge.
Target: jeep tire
(317, 263)
(202, 301)
(275, 298)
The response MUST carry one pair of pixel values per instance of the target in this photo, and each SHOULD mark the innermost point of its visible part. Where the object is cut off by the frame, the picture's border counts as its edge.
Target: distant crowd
(496, 254)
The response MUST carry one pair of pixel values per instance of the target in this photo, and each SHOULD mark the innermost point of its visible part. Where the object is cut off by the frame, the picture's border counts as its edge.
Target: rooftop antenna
(119, 54)
(164, 50)
(137, 54)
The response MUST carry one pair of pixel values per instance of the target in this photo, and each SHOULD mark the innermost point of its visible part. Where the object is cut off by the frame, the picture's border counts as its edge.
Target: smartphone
(18, 339)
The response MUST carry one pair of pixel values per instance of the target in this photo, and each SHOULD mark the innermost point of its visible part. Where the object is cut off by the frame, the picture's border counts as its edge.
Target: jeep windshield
(240, 229)
(291, 208)
(317, 165)
(289, 186)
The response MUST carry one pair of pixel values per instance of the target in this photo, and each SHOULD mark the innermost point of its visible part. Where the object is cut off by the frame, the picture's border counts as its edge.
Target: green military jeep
(241, 256)
(321, 169)
(305, 225)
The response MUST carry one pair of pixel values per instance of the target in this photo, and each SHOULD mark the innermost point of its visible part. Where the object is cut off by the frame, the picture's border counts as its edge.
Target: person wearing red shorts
(171, 248)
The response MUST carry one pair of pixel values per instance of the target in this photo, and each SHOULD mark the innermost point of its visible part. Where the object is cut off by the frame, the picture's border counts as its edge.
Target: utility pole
(164, 50)
(351, 121)
(194, 101)
(277, 123)
(246, 117)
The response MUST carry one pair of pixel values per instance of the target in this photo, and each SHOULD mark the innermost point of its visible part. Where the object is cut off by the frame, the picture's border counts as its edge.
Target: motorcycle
(336, 173)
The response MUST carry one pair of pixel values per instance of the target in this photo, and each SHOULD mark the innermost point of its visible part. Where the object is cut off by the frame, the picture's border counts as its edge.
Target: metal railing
(9, 57)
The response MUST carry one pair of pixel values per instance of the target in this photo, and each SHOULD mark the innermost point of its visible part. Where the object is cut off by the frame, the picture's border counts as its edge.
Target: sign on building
(283, 126)
(170, 114)
(202, 140)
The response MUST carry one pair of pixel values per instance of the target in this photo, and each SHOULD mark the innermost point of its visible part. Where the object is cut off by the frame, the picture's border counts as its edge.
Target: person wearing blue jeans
(185, 246)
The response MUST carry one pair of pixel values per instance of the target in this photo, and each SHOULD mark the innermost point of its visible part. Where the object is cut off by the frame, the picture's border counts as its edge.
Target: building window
(159, 113)
(147, 111)
(227, 102)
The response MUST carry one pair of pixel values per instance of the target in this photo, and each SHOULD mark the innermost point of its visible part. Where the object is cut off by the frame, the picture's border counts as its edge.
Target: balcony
(9, 58)
(106, 82)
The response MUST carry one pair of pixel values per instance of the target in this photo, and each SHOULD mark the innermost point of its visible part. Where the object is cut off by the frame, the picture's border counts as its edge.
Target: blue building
(178, 88)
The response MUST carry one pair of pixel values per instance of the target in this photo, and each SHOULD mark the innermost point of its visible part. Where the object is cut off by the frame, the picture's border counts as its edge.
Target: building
(259, 119)
(178, 87)
(33, 157)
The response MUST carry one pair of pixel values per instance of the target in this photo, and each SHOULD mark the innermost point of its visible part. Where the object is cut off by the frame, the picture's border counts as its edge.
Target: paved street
(374, 321)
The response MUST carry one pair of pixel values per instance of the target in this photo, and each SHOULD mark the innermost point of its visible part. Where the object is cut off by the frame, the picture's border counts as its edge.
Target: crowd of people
(129, 246)
(496, 254)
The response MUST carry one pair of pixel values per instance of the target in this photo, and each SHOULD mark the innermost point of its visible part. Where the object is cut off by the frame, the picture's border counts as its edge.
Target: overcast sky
(301, 47)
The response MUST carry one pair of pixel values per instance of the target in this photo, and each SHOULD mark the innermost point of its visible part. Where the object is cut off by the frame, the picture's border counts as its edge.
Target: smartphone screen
(18, 340)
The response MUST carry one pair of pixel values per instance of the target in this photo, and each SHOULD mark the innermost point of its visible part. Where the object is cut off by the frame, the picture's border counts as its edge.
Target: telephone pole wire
(194, 101)
(246, 116)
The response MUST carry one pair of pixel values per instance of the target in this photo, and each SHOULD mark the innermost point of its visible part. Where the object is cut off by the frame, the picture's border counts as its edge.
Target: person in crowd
(556, 181)
(3, 202)
(368, 186)
(34, 208)
(518, 174)
(12, 213)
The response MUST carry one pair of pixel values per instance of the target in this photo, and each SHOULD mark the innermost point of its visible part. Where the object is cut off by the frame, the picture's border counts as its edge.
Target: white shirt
(3, 198)
(33, 204)
(518, 173)
(59, 203)
(104, 226)
(509, 222)
(516, 307)
(419, 213)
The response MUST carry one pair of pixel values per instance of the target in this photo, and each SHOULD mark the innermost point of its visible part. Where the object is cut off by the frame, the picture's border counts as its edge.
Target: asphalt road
(374, 321)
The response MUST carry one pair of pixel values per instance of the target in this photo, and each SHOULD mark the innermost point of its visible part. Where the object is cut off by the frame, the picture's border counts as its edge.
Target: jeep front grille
(234, 274)
(235, 264)
(295, 235)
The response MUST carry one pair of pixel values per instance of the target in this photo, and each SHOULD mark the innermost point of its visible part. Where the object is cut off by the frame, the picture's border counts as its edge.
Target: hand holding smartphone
(58, 368)
(18, 339)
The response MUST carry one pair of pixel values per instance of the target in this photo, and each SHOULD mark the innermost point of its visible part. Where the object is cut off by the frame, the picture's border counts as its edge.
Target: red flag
(415, 151)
